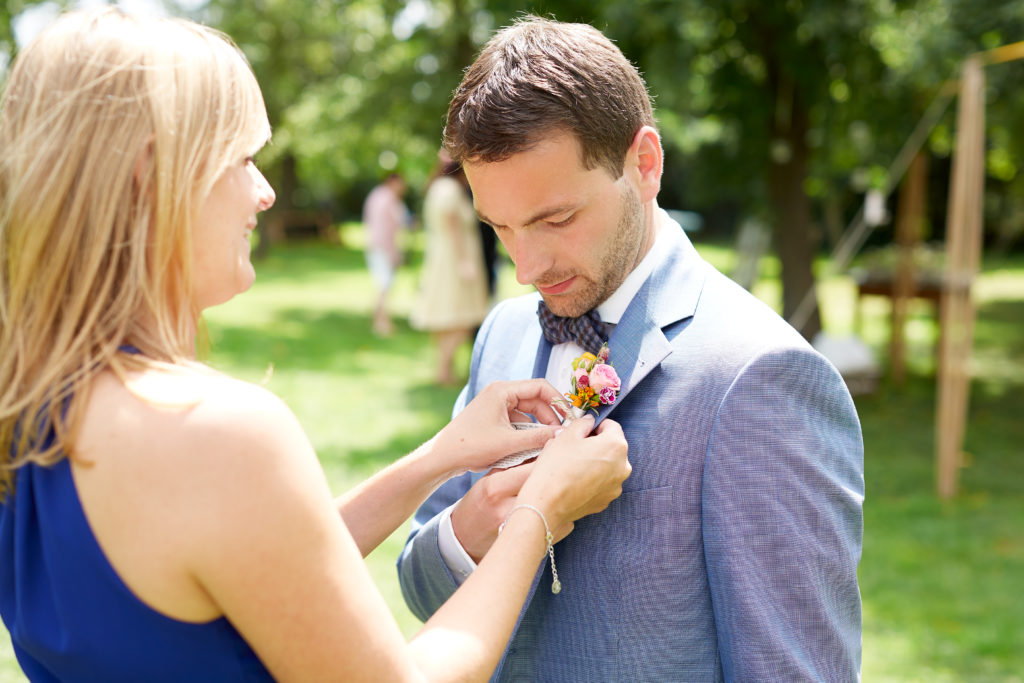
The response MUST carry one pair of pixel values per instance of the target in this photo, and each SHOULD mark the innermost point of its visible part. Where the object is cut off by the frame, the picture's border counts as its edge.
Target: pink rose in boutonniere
(594, 383)
(603, 377)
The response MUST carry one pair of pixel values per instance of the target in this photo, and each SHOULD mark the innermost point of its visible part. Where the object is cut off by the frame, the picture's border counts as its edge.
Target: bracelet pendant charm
(556, 585)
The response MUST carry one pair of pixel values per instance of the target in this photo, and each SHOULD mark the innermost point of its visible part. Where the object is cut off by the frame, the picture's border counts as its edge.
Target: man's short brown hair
(539, 77)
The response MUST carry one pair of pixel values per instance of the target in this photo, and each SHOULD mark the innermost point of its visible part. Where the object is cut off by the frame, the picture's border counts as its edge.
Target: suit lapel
(638, 345)
(634, 357)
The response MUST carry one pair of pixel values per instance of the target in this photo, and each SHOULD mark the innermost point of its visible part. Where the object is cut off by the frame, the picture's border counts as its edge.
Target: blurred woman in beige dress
(452, 299)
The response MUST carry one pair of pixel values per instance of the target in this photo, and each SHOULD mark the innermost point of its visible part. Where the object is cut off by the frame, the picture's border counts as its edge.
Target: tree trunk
(791, 208)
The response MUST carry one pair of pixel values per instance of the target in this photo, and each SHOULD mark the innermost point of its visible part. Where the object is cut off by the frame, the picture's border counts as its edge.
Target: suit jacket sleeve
(782, 522)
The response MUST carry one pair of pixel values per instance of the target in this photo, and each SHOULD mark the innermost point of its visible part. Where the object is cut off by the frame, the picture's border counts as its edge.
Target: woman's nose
(266, 192)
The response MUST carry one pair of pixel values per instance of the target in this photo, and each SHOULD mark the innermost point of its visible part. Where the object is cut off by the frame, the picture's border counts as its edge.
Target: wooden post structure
(909, 230)
(963, 256)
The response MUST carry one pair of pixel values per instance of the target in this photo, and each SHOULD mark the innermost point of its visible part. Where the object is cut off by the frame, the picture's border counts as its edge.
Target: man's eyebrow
(540, 215)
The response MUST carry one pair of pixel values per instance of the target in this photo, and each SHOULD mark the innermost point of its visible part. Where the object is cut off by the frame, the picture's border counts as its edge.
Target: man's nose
(530, 258)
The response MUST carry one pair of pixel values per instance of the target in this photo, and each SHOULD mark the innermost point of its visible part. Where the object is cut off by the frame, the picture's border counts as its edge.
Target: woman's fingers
(483, 435)
(612, 428)
(580, 427)
(534, 397)
(533, 435)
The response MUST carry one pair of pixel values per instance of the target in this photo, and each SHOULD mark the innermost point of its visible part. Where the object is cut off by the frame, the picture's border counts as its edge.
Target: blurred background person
(384, 214)
(453, 297)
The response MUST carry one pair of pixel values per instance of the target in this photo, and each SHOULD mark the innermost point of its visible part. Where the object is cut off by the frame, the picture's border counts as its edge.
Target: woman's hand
(483, 433)
(576, 474)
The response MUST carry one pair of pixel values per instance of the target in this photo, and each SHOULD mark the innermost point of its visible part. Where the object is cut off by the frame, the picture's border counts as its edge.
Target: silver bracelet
(556, 585)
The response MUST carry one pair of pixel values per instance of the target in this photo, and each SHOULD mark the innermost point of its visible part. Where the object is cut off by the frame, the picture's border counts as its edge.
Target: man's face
(573, 233)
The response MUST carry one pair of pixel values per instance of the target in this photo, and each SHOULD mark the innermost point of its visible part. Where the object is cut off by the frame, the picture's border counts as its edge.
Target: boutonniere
(594, 384)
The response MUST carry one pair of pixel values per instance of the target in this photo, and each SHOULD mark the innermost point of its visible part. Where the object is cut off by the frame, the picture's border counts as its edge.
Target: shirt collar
(614, 307)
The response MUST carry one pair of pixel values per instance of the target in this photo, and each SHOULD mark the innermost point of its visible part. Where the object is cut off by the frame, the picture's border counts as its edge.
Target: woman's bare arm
(481, 434)
(284, 569)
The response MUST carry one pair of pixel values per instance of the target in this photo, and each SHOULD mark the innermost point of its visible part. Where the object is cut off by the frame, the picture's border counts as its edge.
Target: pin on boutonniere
(594, 384)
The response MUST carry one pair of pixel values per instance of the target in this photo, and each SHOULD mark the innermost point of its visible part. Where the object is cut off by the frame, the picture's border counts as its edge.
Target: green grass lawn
(942, 583)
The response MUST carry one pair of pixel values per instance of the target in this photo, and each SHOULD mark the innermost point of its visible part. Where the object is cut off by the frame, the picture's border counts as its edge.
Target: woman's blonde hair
(113, 130)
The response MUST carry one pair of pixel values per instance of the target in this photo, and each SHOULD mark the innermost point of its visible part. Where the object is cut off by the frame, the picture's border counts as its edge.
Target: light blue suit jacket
(732, 553)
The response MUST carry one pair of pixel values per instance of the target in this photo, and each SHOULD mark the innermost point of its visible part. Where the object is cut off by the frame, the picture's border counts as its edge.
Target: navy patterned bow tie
(587, 330)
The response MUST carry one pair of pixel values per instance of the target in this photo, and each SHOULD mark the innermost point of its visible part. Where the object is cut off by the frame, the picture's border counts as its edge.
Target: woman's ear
(646, 155)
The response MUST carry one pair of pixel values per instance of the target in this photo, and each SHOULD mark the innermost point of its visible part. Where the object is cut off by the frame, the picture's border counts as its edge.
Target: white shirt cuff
(452, 552)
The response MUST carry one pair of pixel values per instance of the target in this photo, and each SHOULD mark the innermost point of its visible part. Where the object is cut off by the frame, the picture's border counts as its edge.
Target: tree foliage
(786, 111)
(354, 89)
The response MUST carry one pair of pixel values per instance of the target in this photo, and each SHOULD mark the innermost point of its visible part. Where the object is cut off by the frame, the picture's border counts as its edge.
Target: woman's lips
(559, 288)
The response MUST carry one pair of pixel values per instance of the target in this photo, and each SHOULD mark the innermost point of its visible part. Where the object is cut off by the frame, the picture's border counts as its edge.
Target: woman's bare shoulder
(186, 476)
(186, 414)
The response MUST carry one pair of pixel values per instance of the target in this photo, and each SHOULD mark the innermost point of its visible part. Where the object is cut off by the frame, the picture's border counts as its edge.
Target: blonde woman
(160, 521)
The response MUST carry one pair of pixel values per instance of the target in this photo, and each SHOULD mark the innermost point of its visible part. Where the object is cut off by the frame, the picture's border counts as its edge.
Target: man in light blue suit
(732, 553)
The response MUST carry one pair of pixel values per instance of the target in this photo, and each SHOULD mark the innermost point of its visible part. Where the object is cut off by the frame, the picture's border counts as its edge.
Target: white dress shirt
(558, 374)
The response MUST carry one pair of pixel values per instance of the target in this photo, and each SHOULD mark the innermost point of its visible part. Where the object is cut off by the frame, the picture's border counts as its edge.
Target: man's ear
(646, 157)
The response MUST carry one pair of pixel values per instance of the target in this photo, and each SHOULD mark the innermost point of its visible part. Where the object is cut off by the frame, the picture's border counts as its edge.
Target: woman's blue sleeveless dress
(70, 616)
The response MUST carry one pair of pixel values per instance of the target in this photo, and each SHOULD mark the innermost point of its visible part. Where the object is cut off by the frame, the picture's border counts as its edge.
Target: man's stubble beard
(616, 263)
